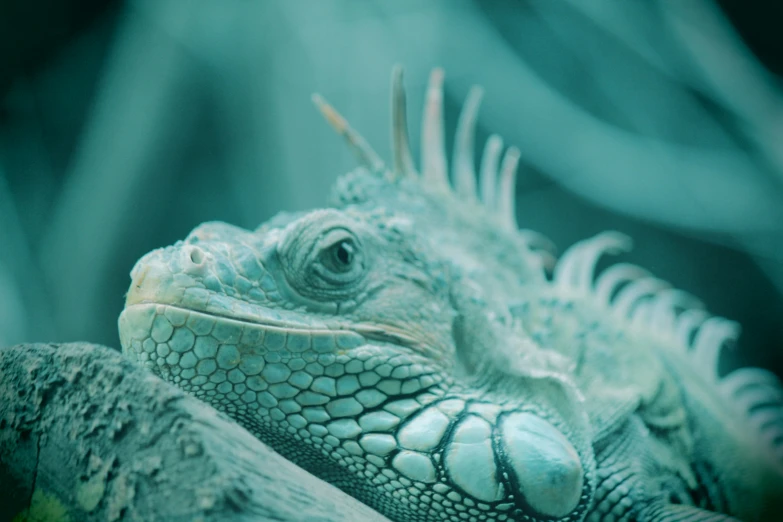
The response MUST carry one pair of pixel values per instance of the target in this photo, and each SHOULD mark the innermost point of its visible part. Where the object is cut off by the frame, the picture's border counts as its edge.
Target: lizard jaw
(161, 336)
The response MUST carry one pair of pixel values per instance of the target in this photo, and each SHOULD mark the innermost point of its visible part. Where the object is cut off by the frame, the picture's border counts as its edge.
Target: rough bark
(86, 435)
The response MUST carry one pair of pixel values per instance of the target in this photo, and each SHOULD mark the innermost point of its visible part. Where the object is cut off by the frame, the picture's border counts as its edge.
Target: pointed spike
(630, 296)
(489, 169)
(665, 304)
(546, 259)
(641, 313)
(537, 241)
(741, 378)
(687, 322)
(759, 396)
(565, 270)
(662, 320)
(758, 418)
(664, 315)
(366, 155)
(764, 417)
(576, 268)
(463, 162)
(710, 340)
(401, 149)
(433, 144)
(507, 188)
(773, 425)
(607, 242)
(614, 276)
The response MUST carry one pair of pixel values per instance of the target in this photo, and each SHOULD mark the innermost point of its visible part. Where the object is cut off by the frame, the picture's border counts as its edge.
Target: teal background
(123, 125)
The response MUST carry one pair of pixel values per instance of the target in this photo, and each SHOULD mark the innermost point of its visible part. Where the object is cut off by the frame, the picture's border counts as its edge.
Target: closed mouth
(161, 323)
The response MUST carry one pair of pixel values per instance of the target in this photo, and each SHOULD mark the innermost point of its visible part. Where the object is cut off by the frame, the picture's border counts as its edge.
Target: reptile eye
(340, 256)
(339, 260)
(325, 258)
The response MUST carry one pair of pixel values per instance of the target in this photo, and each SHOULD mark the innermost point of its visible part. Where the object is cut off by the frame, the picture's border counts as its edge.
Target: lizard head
(371, 343)
(320, 283)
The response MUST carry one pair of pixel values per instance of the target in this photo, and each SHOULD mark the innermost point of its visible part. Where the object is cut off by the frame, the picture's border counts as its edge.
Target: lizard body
(408, 346)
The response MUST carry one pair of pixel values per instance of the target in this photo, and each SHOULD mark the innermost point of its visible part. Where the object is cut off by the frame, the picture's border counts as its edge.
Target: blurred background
(123, 125)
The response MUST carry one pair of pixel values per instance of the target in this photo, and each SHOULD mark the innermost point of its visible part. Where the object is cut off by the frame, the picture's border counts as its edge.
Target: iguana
(411, 346)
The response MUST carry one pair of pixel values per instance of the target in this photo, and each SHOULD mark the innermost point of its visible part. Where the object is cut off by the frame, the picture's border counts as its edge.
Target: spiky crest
(494, 201)
(680, 322)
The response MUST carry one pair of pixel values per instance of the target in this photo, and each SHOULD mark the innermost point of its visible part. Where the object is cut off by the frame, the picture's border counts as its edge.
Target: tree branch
(87, 435)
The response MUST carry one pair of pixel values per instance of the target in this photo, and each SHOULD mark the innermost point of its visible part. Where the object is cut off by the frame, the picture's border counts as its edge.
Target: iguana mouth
(262, 317)
(162, 322)
(272, 320)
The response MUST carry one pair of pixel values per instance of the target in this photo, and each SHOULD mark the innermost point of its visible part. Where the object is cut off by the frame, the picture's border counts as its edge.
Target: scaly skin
(408, 347)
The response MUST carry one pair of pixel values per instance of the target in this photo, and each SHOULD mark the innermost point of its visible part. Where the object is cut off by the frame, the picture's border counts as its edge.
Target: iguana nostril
(195, 254)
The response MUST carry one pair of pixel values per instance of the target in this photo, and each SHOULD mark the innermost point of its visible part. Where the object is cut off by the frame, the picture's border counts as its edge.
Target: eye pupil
(344, 253)
(340, 260)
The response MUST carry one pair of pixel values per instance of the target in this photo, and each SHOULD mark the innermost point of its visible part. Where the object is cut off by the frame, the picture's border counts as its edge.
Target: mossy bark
(87, 435)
